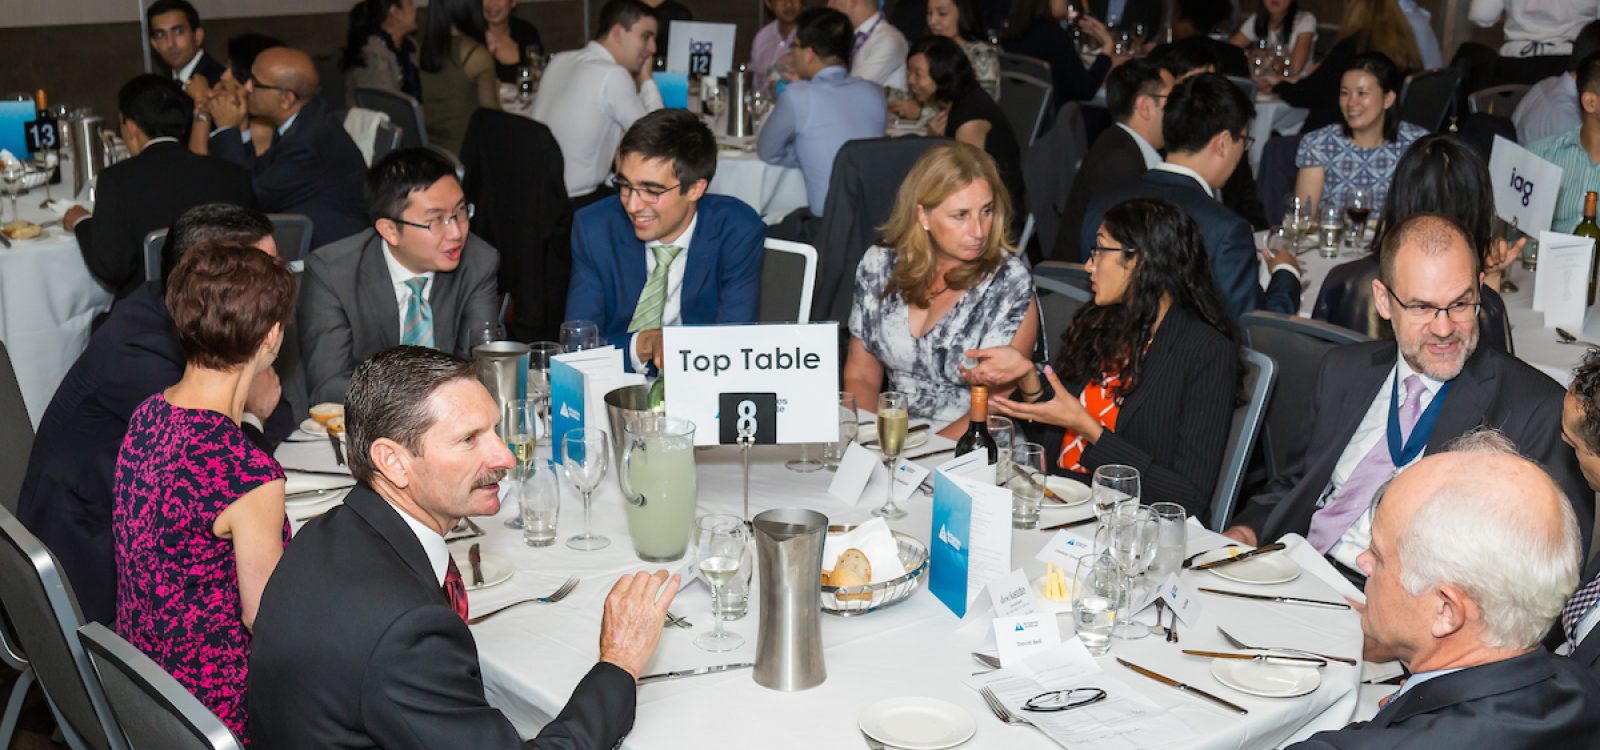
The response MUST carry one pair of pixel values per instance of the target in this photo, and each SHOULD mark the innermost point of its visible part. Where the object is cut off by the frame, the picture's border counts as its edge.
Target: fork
(999, 709)
(556, 596)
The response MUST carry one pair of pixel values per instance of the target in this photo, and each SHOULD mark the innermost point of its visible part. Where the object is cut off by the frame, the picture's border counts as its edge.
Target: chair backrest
(1297, 345)
(1426, 98)
(1013, 63)
(1061, 289)
(39, 603)
(388, 138)
(16, 441)
(782, 299)
(1025, 100)
(153, 709)
(1247, 85)
(292, 234)
(153, 242)
(402, 110)
(330, 77)
(1260, 373)
(1497, 100)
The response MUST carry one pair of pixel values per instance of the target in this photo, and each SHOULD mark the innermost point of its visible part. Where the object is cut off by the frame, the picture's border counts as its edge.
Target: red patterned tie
(455, 589)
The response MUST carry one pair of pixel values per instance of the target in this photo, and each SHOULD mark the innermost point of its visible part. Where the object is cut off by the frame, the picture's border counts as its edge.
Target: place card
(1561, 280)
(1012, 595)
(1180, 598)
(970, 540)
(855, 470)
(1022, 637)
(1064, 549)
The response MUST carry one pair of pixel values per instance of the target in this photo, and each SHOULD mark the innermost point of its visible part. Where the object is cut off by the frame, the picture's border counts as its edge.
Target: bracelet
(202, 117)
(1031, 396)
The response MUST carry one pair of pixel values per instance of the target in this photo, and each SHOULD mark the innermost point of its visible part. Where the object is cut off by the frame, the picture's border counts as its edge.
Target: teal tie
(418, 330)
(653, 300)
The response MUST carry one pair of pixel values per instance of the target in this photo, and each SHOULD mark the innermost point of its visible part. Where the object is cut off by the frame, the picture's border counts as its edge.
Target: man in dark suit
(1183, 60)
(1192, 24)
(150, 190)
(1126, 13)
(360, 640)
(177, 37)
(664, 253)
(416, 275)
(66, 494)
(313, 167)
(1580, 428)
(1464, 616)
(1205, 127)
(1433, 376)
(1136, 95)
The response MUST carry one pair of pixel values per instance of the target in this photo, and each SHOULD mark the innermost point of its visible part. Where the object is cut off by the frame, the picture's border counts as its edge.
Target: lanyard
(1402, 455)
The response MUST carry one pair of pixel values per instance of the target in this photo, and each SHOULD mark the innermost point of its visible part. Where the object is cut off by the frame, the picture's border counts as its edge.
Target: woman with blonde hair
(1368, 26)
(946, 279)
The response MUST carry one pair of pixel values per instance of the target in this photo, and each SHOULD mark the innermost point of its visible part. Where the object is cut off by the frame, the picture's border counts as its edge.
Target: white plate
(312, 427)
(1265, 680)
(1074, 493)
(869, 432)
(1273, 567)
(494, 571)
(916, 723)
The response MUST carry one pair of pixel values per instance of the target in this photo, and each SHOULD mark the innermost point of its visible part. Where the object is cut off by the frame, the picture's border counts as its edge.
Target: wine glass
(12, 173)
(488, 332)
(760, 104)
(1113, 485)
(579, 335)
(1139, 32)
(893, 421)
(715, 98)
(46, 161)
(586, 451)
(849, 423)
(539, 354)
(1299, 215)
(1357, 208)
(1129, 534)
(524, 84)
(722, 552)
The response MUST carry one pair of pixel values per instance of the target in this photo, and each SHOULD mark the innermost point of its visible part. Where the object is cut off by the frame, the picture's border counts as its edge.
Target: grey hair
(388, 398)
(1483, 439)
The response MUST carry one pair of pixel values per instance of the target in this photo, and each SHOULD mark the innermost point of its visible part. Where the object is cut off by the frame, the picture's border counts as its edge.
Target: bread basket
(848, 601)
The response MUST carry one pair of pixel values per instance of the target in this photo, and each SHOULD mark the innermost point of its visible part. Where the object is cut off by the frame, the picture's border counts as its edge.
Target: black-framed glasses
(462, 214)
(647, 194)
(1249, 140)
(1064, 700)
(1095, 251)
(1422, 312)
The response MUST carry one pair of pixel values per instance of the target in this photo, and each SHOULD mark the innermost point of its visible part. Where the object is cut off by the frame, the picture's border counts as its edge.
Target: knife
(1294, 661)
(476, 561)
(1069, 524)
(326, 491)
(664, 676)
(1283, 599)
(338, 451)
(1181, 686)
(1214, 564)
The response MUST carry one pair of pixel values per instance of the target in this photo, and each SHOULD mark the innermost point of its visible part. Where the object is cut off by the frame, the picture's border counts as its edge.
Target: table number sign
(42, 135)
(779, 381)
(1525, 186)
(702, 49)
(970, 542)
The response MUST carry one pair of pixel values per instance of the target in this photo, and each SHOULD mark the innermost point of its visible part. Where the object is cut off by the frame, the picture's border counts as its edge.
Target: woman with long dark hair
(378, 51)
(1035, 29)
(1360, 150)
(457, 71)
(1281, 23)
(1147, 376)
(957, 20)
(1368, 26)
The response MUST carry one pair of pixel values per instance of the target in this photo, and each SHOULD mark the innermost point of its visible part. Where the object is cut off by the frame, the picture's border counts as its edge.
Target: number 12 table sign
(778, 383)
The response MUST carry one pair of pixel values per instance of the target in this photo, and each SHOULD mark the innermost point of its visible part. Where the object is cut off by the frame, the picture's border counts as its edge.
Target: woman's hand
(1062, 411)
(996, 365)
(503, 48)
(1501, 255)
(939, 122)
(906, 109)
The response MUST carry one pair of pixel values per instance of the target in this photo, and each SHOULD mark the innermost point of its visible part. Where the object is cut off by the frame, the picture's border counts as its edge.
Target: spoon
(1567, 338)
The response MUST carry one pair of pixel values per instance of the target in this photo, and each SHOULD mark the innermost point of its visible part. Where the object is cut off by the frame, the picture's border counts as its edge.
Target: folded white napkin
(875, 541)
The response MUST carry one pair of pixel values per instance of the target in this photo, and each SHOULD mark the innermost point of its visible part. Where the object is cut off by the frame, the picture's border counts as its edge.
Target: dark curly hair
(1586, 388)
(1172, 261)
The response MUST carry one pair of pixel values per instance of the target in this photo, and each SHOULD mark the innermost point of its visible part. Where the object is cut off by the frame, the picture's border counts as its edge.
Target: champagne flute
(578, 335)
(586, 451)
(1113, 485)
(539, 355)
(519, 425)
(12, 174)
(893, 421)
(722, 552)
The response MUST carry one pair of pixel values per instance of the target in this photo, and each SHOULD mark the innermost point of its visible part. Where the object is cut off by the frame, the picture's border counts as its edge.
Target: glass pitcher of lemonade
(658, 483)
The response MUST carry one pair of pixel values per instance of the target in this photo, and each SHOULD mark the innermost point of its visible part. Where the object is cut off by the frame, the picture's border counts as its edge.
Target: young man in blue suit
(664, 253)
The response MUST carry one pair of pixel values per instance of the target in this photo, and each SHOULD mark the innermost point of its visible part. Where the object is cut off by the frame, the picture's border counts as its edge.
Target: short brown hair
(388, 398)
(1430, 232)
(224, 299)
(944, 170)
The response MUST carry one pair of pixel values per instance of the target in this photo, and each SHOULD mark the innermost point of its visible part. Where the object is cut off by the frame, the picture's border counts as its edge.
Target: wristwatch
(202, 117)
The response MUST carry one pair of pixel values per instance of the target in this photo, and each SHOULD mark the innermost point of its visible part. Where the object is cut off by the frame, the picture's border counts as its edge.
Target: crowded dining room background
(914, 374)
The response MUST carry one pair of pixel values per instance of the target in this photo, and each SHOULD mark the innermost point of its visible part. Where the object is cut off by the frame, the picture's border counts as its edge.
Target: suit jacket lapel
(1173, 329)
(442, 295)
(630, 266)
(1470, 394)
(385, 519)
(1473, 683)
(376, 291)
(697, 268)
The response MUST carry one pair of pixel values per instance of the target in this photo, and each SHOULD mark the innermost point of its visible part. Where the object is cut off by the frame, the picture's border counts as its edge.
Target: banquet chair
(402, 110)
(1026, 101)
(1260, 374)
(783, 300)
(1296, 345)
(292, 234)
(1497, 100)
(16, 442)
(44, 616)
(154, 710)
(1059, 301)
(1427, 98)
(153, 242)
(1048, 168)
(1032, 66)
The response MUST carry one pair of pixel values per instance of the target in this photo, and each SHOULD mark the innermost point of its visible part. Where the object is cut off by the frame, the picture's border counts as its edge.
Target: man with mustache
(361, 639)
(1382, 405)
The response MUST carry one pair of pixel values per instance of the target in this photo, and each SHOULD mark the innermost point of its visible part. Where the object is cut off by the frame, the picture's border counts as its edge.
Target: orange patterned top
(1098, 397)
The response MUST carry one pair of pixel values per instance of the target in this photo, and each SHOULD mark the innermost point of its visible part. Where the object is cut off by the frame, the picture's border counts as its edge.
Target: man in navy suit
(664, 253)
(1205, 127)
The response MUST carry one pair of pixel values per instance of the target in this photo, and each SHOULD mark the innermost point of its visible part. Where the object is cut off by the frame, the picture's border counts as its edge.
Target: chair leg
(19, 693)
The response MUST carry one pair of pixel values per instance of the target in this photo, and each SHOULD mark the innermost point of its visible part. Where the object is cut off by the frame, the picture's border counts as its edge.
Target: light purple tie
(1355, 496)
(861, 39)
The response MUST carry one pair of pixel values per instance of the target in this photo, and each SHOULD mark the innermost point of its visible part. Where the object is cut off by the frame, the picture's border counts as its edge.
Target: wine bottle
(41, 103)
(977, 434)
(1588, 228)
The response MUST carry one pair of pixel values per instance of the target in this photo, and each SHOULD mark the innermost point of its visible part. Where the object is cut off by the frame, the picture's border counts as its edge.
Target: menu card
(1561, 281)
(579, 382)
(970, 542)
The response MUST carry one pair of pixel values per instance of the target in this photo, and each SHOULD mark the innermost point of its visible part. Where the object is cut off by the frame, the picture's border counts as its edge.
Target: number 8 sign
(755, 414)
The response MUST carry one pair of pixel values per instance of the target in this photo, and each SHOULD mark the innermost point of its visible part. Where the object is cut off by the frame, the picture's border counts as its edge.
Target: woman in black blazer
(1151, 369)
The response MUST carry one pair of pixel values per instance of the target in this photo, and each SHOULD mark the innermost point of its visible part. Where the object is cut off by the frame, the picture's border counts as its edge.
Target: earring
(924, 227)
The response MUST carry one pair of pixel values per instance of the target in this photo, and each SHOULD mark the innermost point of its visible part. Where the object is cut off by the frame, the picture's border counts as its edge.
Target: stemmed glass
(46, 162)
(578, 335)
(539, 354)
(1357, 208)
(12, 174)
(1129, 534)
(760, 104)
(1114, 485)
(894, 420)
(524, 84)
(488, 332)
(848, 426)
(586, 451)
(716, 99)
(518, 427)
(722, 552)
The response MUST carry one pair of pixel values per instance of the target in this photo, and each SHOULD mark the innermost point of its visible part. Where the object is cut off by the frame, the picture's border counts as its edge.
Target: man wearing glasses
(416, 275)
(1382, 405)
(312, 167)
(664, 253)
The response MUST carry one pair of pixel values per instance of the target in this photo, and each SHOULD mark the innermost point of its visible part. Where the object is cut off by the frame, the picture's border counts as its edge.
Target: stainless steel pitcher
(739, 125)
(789, 556)
(90, 149)
(503, 369)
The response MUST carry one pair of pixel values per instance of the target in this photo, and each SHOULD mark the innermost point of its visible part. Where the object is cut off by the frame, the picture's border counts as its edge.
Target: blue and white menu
(970, 542)
(578, 384)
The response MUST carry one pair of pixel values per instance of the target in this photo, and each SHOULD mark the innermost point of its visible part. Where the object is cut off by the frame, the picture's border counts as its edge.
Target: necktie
(653, 299)
(1331, 522)
(455, 589)
(1579, 605)
(418, 328)
(861, 39)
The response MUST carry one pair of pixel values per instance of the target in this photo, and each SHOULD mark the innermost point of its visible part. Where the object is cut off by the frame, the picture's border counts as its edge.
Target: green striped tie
(418, 330)
(653, 300)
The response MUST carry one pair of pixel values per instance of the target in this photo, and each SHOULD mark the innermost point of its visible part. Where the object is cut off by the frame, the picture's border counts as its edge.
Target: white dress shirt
(1549, 108)
(1152, 157)
(432, 543)
(1535, 27)
(882, 58)
(588, 101)
(671, 310)
(398, 276)
(1374, 427)
(1168, 166)
(183, 74)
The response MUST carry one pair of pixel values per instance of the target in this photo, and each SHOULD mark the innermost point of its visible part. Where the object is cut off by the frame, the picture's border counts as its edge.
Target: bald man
(1473, 553)
(312, 167)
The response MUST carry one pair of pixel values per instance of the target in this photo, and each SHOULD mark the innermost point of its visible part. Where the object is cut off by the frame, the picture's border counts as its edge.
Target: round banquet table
(531, 656)
(773, 191)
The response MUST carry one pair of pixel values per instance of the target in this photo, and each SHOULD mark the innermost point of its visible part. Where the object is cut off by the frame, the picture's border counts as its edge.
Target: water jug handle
(633, 498)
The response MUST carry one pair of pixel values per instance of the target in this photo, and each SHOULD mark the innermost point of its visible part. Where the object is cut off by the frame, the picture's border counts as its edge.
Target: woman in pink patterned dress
(198, 509)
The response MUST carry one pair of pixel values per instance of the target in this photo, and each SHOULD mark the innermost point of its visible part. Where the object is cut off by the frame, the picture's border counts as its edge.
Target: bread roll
(325, 411)
(852, 569)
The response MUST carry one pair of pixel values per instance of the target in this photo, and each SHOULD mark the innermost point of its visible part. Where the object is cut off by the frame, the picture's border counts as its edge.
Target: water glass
(1098, 592)
(1331, 229)
(579, 335)
(1113, 485)
(1129, 535)
(849, 423)
(1004, 432)
(586, 452)
(1172, 539)
(722, 552)
(488, 332)
(540, 495)
(1027, 463)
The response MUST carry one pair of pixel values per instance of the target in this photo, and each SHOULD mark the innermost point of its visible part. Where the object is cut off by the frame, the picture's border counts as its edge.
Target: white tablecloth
(773, 191)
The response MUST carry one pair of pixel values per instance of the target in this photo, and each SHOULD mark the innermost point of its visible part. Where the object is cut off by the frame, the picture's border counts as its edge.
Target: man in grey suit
(418, 276)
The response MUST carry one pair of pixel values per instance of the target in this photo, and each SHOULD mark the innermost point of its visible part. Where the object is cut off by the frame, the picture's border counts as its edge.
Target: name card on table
(703, 49)
(579, 382)
(1561, 280)
(780, 382)
(1021, 637)
(861, 476)
(1525, 187)
(970, 541)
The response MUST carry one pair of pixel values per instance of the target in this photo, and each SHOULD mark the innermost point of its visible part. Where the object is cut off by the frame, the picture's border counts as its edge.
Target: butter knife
(664, 676)
(1282, 599)
(476, 561)
(1226, 561)
(338, 450)
(1293, 661)
(1168, 681)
